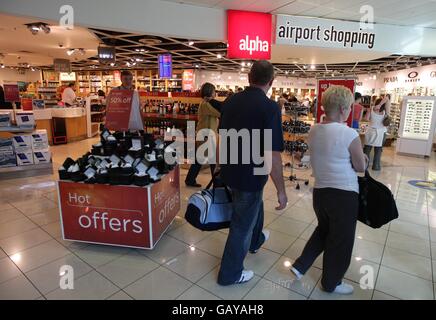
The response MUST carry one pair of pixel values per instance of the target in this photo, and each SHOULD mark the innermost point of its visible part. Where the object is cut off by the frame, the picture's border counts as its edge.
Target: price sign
(119, 107)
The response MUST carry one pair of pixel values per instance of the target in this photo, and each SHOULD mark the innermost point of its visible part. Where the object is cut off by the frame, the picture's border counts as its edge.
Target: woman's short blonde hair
(336, 97)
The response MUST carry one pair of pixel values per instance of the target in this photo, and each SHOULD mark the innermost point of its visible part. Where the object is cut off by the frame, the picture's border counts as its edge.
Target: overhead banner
(249, 35)
(329, 33)
(323, 85)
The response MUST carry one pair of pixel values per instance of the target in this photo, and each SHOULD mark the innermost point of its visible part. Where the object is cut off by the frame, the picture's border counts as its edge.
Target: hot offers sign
(249, 35)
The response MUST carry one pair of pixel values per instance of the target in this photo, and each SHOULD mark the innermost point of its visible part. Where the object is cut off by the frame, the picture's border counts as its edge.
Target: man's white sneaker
(246, 276)
(344, 288)
(298, 274)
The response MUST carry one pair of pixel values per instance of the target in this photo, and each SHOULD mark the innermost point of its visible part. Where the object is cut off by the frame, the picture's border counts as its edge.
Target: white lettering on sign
(168, 207)
(120, 100)
(102, 221)
(78, 199)
(251, 45)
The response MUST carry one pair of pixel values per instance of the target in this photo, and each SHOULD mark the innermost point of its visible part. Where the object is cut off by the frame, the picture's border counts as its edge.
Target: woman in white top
(336, 156)
(375, 134)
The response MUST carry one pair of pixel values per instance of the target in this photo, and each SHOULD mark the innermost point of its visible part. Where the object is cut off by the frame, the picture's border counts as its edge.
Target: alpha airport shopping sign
(249, 35)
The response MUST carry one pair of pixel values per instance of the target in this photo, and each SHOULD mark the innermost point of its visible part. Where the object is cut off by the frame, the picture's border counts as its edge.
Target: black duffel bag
(377, 205)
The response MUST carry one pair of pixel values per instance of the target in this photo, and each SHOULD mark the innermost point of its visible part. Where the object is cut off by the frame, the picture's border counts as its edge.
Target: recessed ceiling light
(2, 66)
(248, 64)
(70, 51)
(286, 72)
(293, 71)
(219, 56)
(191, 43)
(243, 63)
(242, 69)
(312, 67)
(112, 64)
(304, 67)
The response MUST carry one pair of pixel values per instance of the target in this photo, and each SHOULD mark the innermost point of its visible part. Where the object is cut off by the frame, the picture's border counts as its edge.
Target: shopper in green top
(208, 115)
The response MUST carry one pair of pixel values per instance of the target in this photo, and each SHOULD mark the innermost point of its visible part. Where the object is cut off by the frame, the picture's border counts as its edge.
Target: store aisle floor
(401, 256)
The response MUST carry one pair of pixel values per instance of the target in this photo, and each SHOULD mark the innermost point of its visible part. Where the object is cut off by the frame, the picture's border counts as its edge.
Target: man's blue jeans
(245, 234)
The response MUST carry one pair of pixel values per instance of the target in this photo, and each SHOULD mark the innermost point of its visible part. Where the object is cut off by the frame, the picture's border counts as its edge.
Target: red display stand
(127, 216)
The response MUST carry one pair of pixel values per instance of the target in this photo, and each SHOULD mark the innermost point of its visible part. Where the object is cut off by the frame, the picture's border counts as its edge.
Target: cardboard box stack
(26, 149)
(7, 154)
(41, 151)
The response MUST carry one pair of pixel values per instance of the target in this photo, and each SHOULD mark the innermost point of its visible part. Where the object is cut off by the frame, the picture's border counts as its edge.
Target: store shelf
(26, 171)
(170, 116)
(97, 112)
(16, 129)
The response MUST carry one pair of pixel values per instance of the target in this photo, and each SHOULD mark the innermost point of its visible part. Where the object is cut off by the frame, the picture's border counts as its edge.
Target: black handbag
(377, 205)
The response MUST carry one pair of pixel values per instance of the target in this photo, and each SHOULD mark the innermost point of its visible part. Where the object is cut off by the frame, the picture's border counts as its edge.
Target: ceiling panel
(295, 8)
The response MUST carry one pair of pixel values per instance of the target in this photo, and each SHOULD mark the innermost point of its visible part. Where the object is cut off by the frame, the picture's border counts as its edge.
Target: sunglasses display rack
(417, 125)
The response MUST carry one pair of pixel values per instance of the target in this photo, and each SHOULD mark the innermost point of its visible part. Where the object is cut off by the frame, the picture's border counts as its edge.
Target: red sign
(119, 215)
(26, 104)
(12, 92)
(165, 202)
(188, 80)
(323, 85)
(249, 35)
(98, 213)
(119, 106)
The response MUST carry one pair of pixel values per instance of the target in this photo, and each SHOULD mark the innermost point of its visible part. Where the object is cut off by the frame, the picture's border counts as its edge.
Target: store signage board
(106, 55)
(323, 85)
(249, 35)
(62, 65)
(127, 216)
(26, 104)
(12, 92)
(188, 80)
(67, 76)
(119, 107)
(418, 125)
(165, 62)
(329, 33)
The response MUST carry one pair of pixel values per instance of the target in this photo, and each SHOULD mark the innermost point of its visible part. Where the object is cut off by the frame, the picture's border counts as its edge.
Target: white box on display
(7, 158)
(42, 156)
(39, 140)
(22, 142)
(25, 119)
(24, 158)
(417, 127)
(5, 118)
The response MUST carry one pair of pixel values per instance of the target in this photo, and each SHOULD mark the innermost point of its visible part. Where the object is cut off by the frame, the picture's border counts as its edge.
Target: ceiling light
(2, 66)
(248, 64)
(293, 71)
(197, 66)
(304, 67)
(112, 64)
(312, 67)
(191, 43)
(32, 69)
(71, 51)
(242, 69)
(34, 28)
(219, 56)
(286, 72)
(243, 64)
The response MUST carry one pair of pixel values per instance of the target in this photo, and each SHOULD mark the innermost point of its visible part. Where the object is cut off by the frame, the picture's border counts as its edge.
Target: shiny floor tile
(281, 274)
(166, 249)
(160, 284)
(278, 242)
(48, 277)
(214, 244)
(10, 215)
(188, 234)
(196, 293)
(261, 261)
(8, 270)
(268, 290)
(24, 241)
(15, 227)
(98, 255)
(409, 244)
(368, 250)
(18, 288)
(289, 226)
(410, 229)
(403, 285)
(232, 292)
(92, 286)
(300, 214)
(382, 296)
(127, 269)
(192, 264)
(120, 295)
(406, 262)
(39, 255)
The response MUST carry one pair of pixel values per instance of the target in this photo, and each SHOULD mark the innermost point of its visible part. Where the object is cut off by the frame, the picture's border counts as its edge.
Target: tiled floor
(400, 256)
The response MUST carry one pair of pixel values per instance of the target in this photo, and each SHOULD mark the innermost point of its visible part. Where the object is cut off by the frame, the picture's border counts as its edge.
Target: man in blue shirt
(250, 113)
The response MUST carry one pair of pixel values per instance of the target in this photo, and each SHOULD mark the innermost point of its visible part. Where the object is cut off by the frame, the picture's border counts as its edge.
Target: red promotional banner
(323, 85)
(116, 215)
(165, 202)
(249, 35)
(119, 106)
(12, 92)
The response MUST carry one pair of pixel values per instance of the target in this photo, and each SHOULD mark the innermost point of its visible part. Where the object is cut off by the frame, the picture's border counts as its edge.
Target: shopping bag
(377, 205)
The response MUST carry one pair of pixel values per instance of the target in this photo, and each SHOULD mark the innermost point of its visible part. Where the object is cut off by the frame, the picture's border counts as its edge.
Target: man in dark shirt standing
(250, 111)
